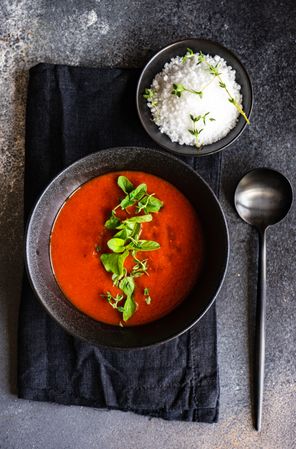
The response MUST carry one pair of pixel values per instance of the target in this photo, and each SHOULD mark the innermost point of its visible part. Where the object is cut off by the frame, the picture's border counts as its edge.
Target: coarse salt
(172, 114)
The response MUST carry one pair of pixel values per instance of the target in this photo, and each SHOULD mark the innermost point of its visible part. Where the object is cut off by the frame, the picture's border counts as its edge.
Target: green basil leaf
(126, 202)
(134, 196)
(149, 203)
(116, 245)
(144, 245)
(128, 229)
(129, 308)
(139, 192)
(123, 234)
(127, 285)
(114, 263)
(112, 222)
(125, 184)
(138, 219)
(136, 231)
(153, 205)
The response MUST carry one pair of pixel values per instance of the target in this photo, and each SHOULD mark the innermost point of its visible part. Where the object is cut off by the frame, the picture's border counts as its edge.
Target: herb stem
(223, 85)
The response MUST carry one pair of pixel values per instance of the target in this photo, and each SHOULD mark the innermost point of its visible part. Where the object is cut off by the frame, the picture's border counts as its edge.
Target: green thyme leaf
(148, 94)
(114, 300)
(188, 55)
(140, 267)
(147, 296)
(178, 89)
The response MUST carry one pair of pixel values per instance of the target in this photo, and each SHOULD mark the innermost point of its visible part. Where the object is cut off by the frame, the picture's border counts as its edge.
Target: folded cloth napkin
(72, 112)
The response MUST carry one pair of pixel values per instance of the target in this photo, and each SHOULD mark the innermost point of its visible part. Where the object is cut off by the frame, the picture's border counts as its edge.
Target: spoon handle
(260, 332)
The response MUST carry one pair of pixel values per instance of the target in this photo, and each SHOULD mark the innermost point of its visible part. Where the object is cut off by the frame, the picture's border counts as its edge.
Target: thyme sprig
(147, 296)
(149, 95)
(190, 54)
(179, 88)
(196, 132)
(214, 70)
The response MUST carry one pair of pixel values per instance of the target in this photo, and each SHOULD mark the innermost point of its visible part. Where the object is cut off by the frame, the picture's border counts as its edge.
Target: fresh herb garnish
(188, 55)
(179, 88)
(114, 300)
(126, 241)
(112, 222)
(114, 263)
(149, 95)
(133, 196)
(147, 296)
(149, 203)
(140, 267)
(195, 131)
(125, 184)
(127, 285)
(214, 70)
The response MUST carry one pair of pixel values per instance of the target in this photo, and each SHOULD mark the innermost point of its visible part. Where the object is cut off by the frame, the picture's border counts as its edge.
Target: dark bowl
(215, 234)
(155, 65)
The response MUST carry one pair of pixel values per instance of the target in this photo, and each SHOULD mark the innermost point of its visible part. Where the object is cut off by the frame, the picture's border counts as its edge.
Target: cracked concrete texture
(99, 33)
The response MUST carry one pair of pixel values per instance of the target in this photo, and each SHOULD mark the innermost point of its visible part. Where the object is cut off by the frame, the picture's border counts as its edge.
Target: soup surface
(79, 237)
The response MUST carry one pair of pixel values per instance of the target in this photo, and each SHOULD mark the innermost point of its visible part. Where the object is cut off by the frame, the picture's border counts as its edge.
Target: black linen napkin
(72, 112)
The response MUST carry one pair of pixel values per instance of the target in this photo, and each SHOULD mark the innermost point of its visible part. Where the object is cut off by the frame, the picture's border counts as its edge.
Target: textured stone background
(125, 33)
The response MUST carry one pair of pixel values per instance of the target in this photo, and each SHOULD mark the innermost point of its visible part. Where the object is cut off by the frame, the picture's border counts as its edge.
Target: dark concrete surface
(125, 33)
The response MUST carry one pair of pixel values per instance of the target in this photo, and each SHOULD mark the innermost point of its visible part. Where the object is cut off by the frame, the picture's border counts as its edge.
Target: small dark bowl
(155, 65)
(215, 235)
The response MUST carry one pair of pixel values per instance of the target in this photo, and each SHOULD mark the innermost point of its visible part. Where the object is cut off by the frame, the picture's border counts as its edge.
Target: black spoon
(262, 198)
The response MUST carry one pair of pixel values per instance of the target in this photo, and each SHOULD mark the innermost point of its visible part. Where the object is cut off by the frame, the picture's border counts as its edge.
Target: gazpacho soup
(126, 248)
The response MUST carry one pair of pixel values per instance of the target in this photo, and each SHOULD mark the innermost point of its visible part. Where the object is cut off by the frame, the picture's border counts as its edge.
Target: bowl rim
(139, 94)
(69, 330)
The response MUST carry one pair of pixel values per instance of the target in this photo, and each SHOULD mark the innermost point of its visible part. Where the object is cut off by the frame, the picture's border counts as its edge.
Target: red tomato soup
(79, 229)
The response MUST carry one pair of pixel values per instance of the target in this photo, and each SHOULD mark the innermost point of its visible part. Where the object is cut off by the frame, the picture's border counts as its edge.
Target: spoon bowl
(263, 197)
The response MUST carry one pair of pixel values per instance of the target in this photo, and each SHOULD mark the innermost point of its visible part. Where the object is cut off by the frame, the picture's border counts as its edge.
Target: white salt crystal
(172, 113)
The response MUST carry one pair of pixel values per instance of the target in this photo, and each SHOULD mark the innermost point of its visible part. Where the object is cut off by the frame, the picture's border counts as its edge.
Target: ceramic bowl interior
(155, 65)
(215, 234)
